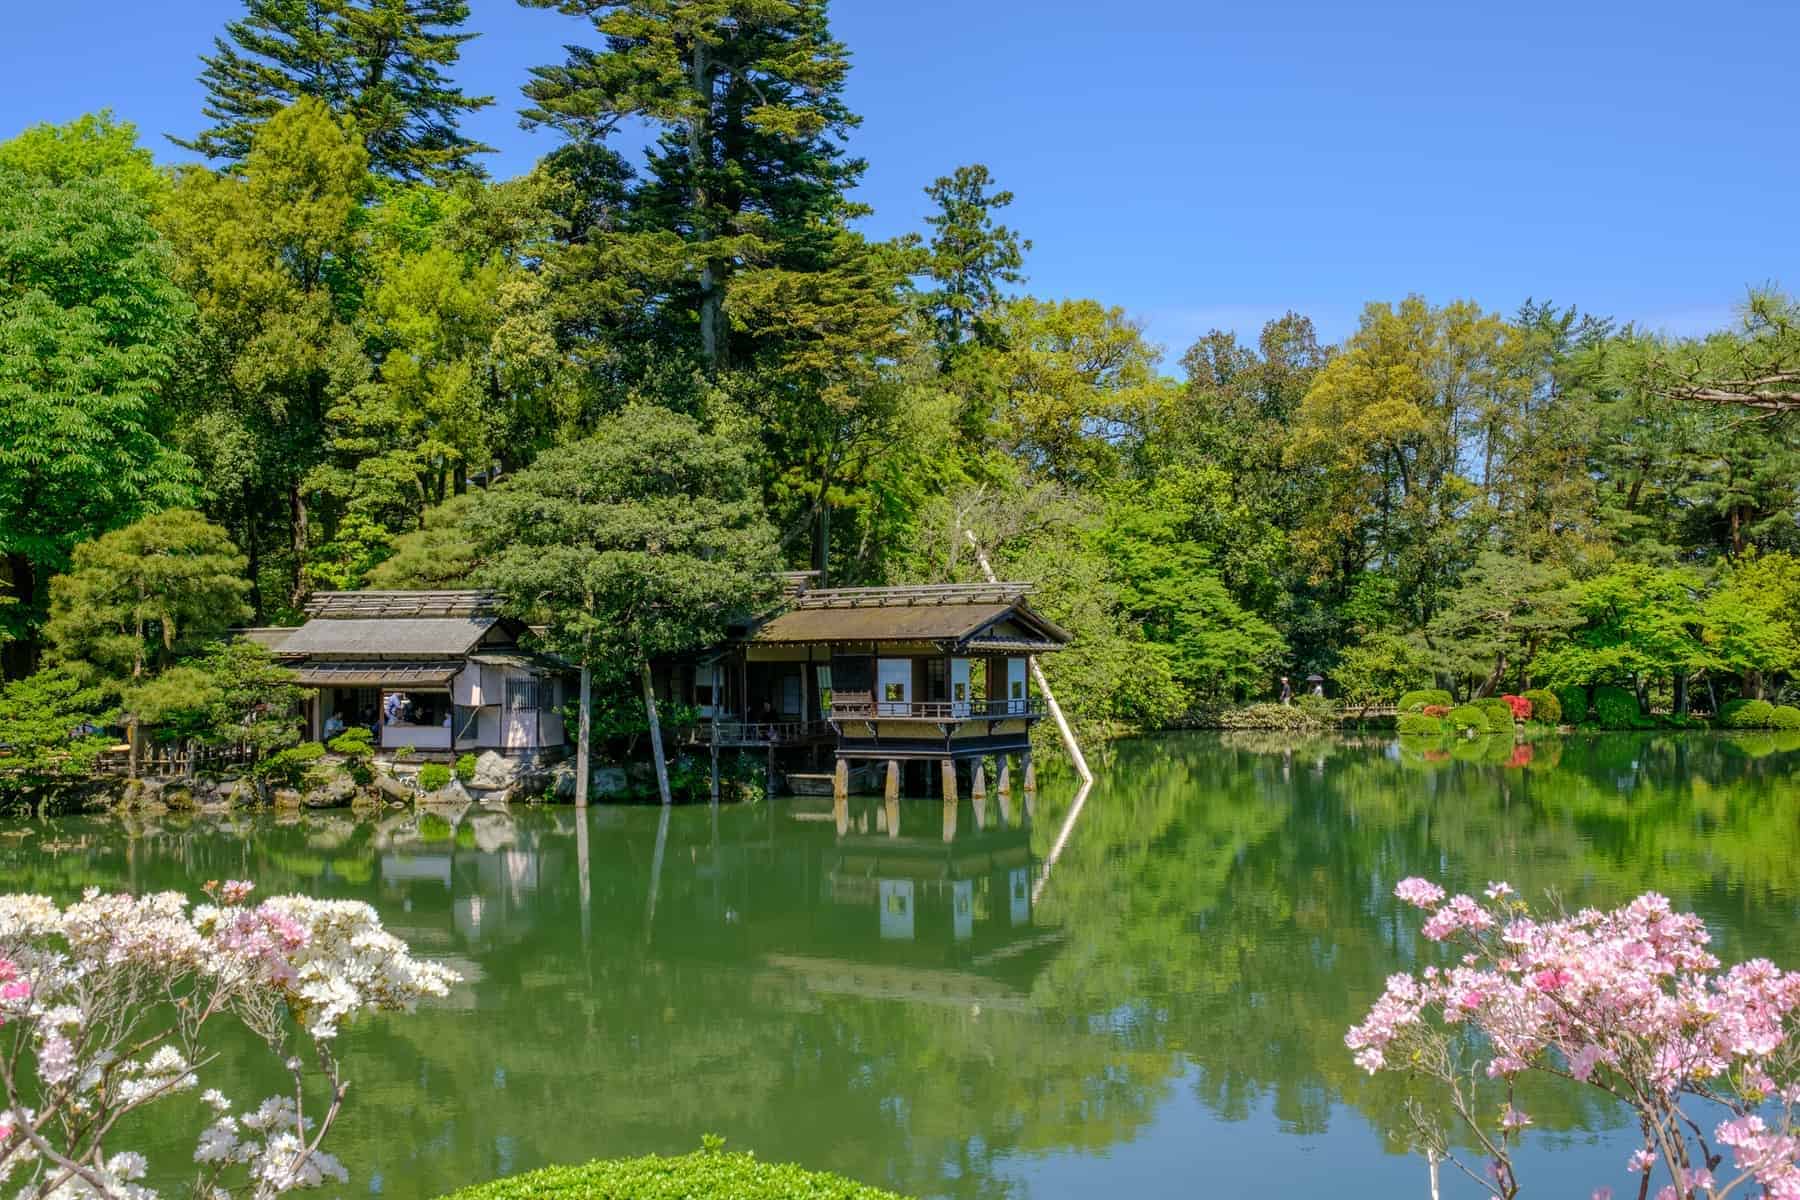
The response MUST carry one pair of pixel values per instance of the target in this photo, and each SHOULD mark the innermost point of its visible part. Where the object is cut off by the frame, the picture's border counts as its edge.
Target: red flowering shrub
(1520, 705)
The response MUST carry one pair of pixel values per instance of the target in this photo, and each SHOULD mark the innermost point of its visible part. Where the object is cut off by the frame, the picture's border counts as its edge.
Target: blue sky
(1203, 164)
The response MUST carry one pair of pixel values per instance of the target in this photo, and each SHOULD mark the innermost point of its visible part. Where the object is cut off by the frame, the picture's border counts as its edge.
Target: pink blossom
(1420, 893)
(1640, 1161)
(1513, 1120)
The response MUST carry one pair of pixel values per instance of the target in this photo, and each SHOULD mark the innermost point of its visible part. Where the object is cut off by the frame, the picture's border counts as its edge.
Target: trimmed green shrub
(1499, 713)
(291, 767)
(1785, 716)
(1747, 714)
(1574, 701)
(1545, 706)
(1419, 725)
(738, 1176)
(1616, 708)
(1413, 701)
(465, 767)
(1469, 718)
(434, 777)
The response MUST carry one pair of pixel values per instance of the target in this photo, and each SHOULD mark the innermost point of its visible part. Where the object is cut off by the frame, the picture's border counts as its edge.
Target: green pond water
(1166, 1019)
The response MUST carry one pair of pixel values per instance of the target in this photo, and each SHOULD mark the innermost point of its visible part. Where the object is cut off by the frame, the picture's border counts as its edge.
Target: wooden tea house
(441, 672)
(876, 677)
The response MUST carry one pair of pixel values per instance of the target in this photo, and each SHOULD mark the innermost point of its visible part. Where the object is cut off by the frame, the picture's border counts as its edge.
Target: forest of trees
(332, 337)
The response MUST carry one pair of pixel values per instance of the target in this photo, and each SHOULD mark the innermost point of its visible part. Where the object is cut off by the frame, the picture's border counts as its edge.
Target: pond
(1169, 1012)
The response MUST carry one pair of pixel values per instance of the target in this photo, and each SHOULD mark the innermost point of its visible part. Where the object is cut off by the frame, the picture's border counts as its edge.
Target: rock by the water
(494, 770)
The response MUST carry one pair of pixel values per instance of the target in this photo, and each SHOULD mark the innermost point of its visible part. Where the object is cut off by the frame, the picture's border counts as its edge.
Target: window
(894, 693)
(1018, 689)
(962, 692)
(790, 695)
(521, 694)
(936, 685)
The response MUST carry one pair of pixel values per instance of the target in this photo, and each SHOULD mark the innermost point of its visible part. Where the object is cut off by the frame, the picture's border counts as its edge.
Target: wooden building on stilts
(930, 681)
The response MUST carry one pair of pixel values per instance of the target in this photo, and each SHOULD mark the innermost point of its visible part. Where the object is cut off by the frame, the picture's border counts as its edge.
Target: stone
(391, 788)
(612, 781)
(287, 798)
(493, 770)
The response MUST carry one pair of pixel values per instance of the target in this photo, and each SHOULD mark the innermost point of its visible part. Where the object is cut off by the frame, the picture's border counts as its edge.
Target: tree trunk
(656, 746)
(460, 479)
(699, 134)
(20, 658)
(1493, 681)
(1681, 694)
(297, 522)
(824, 563)
(581, 744)
(1752, 684)
(253, 554)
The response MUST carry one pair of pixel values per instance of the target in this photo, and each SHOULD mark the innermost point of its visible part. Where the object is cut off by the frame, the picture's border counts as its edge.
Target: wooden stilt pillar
(949, 776)
(1030, 785)
(978, 793)
(891, 798)
(949, 820)
(770, 787)
(840, 797)
(1004, 790)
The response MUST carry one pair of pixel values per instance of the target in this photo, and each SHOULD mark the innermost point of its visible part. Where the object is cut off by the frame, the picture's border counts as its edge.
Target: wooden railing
(175, 761)
(756, 733)
(934, 710)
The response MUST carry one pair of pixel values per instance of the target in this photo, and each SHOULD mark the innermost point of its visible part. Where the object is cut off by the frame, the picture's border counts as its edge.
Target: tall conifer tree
(381, 63)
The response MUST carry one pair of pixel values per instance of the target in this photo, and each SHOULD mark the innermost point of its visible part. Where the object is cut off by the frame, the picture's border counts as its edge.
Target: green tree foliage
(93, 146)
(49, 733)
(229, 693)
(971, 258)
(746, 105)
(137, 599)
(642, 540)
(1642, 625)
(90, 330)
(1505, 611)
(274, 256)
(381, 65)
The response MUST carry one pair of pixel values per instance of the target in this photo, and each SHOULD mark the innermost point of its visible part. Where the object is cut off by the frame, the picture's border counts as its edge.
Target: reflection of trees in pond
(1224, 906)
(1237, 896)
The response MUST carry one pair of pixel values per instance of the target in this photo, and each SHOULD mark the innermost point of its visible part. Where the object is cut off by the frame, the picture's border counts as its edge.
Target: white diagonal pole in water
(1037, 674)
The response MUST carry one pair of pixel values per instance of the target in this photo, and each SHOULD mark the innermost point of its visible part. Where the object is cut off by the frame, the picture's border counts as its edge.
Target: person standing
(1287, 691)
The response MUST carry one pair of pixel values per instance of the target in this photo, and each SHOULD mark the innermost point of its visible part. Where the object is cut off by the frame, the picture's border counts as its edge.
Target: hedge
(1418, 724)
(706, 1173)
(434, 777)
(1786, 717)
(1499, 713)
(1470, 718)
(1413, 701)
(1574, 702)
(1747, 714)
(1545, 706)
(1616, 708)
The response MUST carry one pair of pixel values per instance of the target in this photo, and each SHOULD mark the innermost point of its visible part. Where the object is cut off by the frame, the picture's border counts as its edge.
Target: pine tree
(972, 258)
(380, 63)
(748, 166)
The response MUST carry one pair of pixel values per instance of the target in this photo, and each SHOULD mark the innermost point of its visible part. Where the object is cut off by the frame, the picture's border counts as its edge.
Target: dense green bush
(733, 1176)
(1413, 701)
(1616, 708)
(1499, 713)
(1785, 716)
(1470, 718)
(434, 777)
(1545, 706)
(465, 767)
(1747, 714)
(291, 767)
(1418, 724)
(1574, 701)
(1265, 716)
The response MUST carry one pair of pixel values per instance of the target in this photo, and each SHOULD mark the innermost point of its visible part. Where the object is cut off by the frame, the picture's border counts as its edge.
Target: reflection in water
(893, 1002)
